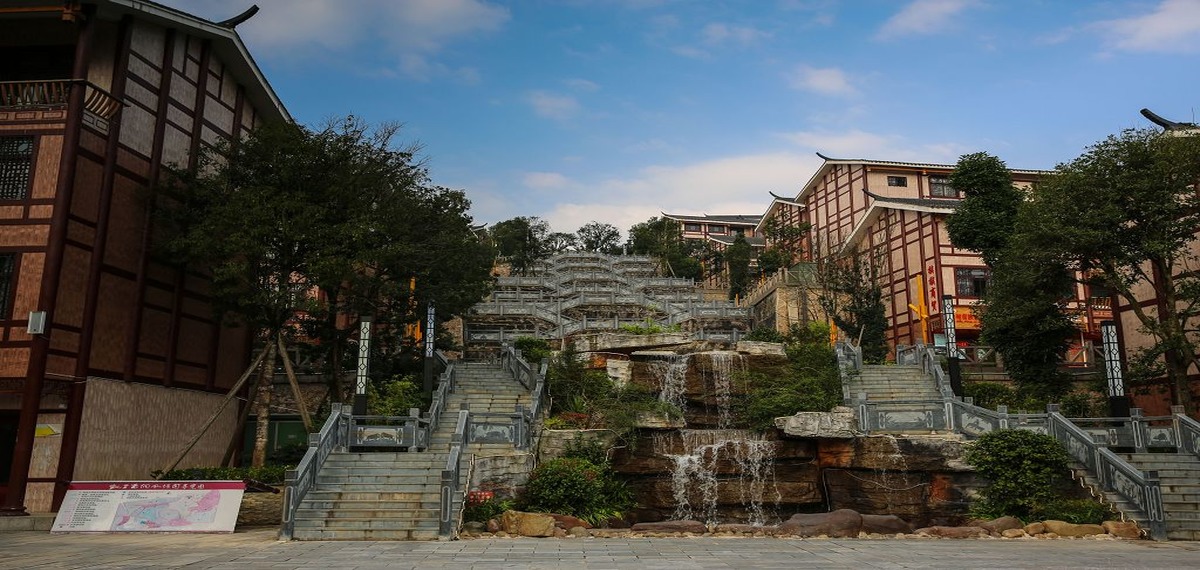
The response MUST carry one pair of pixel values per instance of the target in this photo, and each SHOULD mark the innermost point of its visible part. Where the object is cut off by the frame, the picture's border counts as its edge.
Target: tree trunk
(1177, 371)
(262, 404)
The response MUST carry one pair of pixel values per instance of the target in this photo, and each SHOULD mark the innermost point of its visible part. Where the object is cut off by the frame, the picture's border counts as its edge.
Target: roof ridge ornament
(238, 19)
(1168, 125)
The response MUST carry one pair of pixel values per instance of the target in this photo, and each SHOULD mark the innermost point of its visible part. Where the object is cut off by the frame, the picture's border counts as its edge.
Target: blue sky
(616, 110)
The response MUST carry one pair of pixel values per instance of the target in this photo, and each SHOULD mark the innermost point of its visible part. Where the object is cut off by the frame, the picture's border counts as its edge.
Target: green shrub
(1084, 405)
(591, 450)
(1024, 468)
(765, 334)
(489, 509)
(576, 487)
(533, 350)
(810, 382)
(393, 396)
(990, 395)
(269, 474)
(1078, 511)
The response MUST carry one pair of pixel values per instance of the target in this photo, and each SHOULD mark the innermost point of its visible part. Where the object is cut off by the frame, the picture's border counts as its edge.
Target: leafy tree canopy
(523, 240)
(599, 237)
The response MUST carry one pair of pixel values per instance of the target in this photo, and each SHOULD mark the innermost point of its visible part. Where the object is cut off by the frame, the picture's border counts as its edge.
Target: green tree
(599, 237)
(852, 297)
(984, 220)
(662, 239)
(1023, 314)
(289, 210)
(1124, 215)
(1024, 468)
(522, 241)
(737, 261)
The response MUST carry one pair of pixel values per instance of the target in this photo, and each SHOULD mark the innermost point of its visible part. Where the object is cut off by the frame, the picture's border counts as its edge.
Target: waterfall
(695, 485)
(722, 366)
(673, 371)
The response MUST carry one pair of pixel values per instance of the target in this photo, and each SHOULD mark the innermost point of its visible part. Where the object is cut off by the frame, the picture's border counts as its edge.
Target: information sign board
(150, 506)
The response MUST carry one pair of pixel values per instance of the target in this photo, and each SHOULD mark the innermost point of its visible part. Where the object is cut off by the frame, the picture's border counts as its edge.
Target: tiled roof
(918, 164)
(730, 219)
(932, 203)
(728, 240)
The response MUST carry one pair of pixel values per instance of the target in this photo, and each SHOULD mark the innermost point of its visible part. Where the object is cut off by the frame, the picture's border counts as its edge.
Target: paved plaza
(259, 549)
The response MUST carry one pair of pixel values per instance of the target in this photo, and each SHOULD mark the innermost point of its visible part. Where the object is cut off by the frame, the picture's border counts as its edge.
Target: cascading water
(707, 463)
(695, 485)
(722, 366)
(673, 371)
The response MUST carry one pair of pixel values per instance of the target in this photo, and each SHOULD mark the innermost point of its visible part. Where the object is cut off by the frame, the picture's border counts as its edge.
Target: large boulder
(1062, 528)
(567, 522)
(1122, 529)
(999, 525)
(527, 524)
(953, 531)
(842, 523)
(885, 524)
(671, 526)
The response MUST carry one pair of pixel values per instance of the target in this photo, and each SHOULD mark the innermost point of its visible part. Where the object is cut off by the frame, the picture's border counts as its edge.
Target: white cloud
(411, 31)
(552, 106)
(1173, 27)
(923, 17)
(825, 81)
(545, 180)
(875, 146)
(728, 185)
(718, 33)
(581, 85)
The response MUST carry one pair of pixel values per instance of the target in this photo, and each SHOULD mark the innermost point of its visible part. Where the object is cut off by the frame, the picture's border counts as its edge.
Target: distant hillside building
(110, 357)
(718, 232)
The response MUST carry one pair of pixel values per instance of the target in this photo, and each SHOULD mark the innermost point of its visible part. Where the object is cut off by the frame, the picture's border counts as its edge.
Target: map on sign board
(150, 506)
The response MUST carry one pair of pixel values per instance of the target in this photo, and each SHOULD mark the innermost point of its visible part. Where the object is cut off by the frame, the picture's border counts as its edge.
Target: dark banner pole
(364, 361)
(1118, 402)
(430, 333)
(951, 345)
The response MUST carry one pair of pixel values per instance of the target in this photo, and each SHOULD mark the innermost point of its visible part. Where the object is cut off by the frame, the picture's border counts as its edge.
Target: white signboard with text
(150, 506)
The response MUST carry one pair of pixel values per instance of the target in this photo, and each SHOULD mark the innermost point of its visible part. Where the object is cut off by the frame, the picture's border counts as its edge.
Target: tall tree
(983, 221)
(1124, 215)
(289, 210)
(600, 238)
(558, 242)
(1022, 314)
(737, 261)
(522, 241)
(662, 238)
(852, 298)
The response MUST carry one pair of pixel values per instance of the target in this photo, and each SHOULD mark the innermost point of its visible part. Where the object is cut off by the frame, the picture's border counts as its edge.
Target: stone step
(430, 523)
(1183, 534)
(1174, 523)
(1176, 475)
(371, 534)
(359, 504)
(378, 497)
(424, 478)
(393, 488)
(341, 512)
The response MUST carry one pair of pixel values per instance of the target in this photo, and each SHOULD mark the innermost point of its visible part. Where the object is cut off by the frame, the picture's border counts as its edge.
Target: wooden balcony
(100, 106)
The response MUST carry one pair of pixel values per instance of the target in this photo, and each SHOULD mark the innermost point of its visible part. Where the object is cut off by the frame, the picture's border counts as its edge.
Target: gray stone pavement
(258, 549)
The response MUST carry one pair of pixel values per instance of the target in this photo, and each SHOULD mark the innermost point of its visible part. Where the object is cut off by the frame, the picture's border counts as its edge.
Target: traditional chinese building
(894, 213)
(110, 356)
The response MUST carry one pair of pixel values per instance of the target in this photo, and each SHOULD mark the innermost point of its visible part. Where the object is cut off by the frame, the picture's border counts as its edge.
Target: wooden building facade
(110, 357)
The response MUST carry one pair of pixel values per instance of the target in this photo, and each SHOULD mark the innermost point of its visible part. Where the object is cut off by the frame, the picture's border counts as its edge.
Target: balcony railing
(52, 93)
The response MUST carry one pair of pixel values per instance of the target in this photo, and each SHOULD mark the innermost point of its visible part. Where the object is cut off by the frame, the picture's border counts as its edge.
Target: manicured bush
(1024, 468)
(533, 350)
(810, 382)
(576, 487)
(489, 509)
(990, 394)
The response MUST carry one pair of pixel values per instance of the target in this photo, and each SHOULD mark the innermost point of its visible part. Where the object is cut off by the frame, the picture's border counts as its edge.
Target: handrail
(1112, 472)
(534, 380)
(57, 93)
(334, 434)
(1188, 431)
(451, 475)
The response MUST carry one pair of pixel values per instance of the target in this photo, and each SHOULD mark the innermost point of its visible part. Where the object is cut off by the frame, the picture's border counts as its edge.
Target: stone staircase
(892, 383)
(1179, 479)
(386, 495)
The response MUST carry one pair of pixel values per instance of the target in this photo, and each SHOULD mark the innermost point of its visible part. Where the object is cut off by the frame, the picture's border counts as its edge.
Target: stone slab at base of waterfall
(842, 523)
(836, 423)
(671, 526)
(756, 348)
(601, 342)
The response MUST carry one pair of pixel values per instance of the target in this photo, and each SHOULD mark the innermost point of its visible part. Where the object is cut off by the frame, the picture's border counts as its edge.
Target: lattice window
(971, 282)
(16, 157)
(8, 269)
(939, 186)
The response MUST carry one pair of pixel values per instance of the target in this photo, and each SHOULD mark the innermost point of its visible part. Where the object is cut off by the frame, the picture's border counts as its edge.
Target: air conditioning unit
(37, 322)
